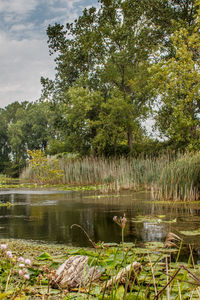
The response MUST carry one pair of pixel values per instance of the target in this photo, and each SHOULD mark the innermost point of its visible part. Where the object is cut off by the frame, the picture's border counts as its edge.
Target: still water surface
(48, 215)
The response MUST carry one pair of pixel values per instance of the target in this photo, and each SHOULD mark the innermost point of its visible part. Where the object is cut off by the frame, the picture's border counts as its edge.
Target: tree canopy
(105, 56)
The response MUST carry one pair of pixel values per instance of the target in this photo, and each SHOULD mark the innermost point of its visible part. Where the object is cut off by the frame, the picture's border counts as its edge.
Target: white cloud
(17, 6)
(22, 65)
(71, 3)
(24, 52)
(22, 27)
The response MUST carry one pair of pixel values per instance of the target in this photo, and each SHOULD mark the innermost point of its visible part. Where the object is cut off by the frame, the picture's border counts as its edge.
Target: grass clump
(180, 180)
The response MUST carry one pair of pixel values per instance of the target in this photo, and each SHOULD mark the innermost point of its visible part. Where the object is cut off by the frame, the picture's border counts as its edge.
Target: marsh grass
(180, 180)
(114, 173)
(168, 176)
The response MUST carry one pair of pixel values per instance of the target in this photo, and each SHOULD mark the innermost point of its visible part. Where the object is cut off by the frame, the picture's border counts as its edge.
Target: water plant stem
(8, 279)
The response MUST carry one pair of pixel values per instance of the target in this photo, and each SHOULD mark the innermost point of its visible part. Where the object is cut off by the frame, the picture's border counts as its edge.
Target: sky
(24, 54)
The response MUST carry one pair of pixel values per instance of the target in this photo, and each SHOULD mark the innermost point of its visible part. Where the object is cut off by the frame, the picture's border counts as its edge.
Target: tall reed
(180, 180)
(114, 173)
(168, 176)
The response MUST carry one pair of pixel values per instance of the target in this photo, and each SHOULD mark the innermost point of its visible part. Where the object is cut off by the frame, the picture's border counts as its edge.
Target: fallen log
(74, 273)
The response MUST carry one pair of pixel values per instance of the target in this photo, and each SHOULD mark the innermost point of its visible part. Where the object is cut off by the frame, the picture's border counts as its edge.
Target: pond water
(48, 215)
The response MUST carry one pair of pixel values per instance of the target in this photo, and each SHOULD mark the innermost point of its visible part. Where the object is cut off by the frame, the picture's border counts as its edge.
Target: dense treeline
(116, 66)
(23, 126)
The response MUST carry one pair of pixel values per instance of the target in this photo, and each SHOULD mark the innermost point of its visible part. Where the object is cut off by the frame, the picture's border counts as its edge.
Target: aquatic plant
(121, 221)
(114, 173)
(163, 275)
(168, 176)
(180, 180)
(12, 269)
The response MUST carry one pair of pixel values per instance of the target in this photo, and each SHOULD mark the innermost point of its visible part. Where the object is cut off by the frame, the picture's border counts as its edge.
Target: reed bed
(168, 176)
(180, 180)
(114, 173)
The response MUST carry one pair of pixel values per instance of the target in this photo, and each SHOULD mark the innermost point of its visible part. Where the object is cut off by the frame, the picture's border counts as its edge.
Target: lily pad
(7, 204)
(190, 232)
(152, 219)
(44, 256)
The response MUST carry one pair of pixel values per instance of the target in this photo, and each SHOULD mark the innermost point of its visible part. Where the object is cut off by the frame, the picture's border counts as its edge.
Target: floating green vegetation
(7, 204)
(26, 272)
(60, 187)
(191, 232)
(106, 196)
(152, 219)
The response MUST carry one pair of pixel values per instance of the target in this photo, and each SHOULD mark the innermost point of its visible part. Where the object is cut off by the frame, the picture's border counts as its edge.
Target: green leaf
(191, 232)
(6, 294)
(44, 256)
(120, 293)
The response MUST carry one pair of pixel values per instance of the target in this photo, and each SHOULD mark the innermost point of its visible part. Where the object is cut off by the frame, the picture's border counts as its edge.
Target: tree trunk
(130, 138)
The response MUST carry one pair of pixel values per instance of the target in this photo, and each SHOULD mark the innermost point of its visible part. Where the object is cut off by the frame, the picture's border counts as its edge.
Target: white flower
(27, 261)
(3, 246)
(9, 254)
(20, 259)
(26, 276)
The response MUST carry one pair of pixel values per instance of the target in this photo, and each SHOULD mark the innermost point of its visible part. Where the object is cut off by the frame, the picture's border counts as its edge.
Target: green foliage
(99, 52)
(23, 126)
(108, 51)
(44, 170)
(55, 147)
(115, 65)
(176, 82)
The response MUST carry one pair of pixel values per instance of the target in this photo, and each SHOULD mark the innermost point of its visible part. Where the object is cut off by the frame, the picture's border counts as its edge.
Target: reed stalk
(168, 177)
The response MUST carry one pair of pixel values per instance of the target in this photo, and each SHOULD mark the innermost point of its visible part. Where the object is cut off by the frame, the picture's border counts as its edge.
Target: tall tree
(110, 48)
(4, 147)
(176, 82)
(106, 47)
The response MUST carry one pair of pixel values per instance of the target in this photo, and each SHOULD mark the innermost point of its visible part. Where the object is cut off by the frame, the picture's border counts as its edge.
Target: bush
(44, 170)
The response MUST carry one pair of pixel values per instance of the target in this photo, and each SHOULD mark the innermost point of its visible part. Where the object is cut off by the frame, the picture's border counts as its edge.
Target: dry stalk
(167, 272)
(90, 240)
(172, 278)
(152, 270)
(179, 290)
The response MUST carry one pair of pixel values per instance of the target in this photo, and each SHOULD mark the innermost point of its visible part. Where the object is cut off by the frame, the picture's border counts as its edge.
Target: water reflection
(48, 216)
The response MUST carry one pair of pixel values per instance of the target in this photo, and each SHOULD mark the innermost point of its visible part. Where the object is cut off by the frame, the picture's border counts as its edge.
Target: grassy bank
(159, 266)
(167, 176)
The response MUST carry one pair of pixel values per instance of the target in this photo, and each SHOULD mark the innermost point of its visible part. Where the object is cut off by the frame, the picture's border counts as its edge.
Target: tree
(4, 148)
(111, 49)
(23, 126)
(176, 82)
(106, 49)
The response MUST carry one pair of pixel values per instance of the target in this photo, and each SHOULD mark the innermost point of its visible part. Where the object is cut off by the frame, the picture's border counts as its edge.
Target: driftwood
(125, 276)
(75, 272)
